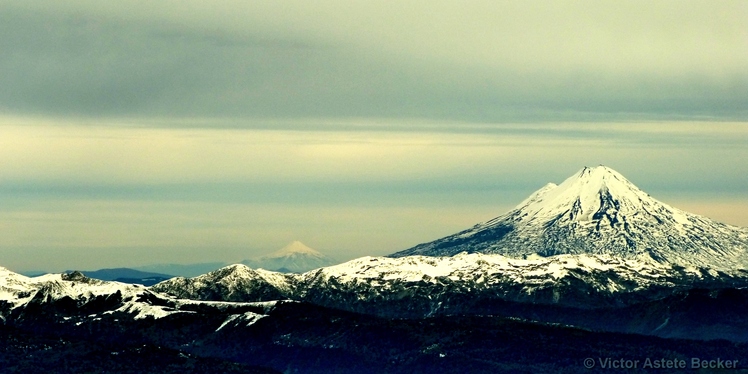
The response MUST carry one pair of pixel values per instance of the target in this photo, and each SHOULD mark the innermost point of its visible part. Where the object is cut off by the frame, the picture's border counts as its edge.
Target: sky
(141, 132)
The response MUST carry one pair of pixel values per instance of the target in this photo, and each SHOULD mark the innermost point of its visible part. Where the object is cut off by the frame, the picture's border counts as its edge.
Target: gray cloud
(82, 66)
(491, 61)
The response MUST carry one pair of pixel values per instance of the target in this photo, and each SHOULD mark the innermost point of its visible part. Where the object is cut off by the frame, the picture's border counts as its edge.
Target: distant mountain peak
(296, 257)
(598, 211)
(295, 247)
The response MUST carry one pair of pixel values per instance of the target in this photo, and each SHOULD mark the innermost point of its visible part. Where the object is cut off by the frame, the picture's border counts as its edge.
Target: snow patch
(143, 311)
(246, 319)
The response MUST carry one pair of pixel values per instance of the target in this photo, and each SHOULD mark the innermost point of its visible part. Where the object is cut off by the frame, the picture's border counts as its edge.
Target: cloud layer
(480, 61)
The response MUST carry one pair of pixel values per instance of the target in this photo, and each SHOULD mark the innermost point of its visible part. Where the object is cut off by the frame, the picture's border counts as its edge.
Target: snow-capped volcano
(598, 211)
(296, 257)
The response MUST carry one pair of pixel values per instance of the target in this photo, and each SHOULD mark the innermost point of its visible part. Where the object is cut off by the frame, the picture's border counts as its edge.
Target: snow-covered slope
(598, 211)
(481, 270)
(296, 257)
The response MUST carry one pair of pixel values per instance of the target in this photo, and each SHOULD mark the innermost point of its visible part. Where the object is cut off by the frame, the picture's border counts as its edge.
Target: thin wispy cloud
(97, 192)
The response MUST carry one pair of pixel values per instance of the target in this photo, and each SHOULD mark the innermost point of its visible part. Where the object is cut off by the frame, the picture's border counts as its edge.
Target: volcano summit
(598, 211)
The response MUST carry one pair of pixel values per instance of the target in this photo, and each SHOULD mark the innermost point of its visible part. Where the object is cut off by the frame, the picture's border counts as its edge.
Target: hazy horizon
(135, 133)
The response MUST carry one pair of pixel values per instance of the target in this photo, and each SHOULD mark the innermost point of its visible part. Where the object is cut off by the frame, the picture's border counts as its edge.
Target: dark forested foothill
(304, 338)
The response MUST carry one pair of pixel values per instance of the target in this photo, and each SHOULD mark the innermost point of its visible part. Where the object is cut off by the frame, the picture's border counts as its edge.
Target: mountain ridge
(431, 284)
